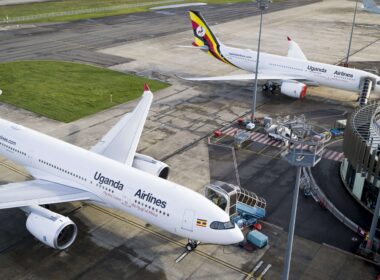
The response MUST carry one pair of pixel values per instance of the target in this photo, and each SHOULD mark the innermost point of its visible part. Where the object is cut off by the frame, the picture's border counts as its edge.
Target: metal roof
(366, 124)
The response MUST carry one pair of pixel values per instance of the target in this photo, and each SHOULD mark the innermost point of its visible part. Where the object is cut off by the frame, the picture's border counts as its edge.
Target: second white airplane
(111, 174)
(370, 6)
(292, 73)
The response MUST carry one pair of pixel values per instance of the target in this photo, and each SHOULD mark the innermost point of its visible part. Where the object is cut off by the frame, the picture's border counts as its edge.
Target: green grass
(29, 9)
(67, 91)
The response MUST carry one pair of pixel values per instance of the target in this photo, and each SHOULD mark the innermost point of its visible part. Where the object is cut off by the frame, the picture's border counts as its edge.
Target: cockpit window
(221, 225)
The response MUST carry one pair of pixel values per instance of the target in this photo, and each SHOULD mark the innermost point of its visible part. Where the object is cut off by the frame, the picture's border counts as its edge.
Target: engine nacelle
(52, 229)
(150, 165)
(294, 89)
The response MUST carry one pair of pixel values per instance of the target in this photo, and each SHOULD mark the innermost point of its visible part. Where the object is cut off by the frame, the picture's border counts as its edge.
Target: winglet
(146, 87)
(289, 39)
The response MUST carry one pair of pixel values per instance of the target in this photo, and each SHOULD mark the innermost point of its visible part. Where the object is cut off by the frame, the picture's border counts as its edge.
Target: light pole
(352, 31)
(303, 152)
(263, 5)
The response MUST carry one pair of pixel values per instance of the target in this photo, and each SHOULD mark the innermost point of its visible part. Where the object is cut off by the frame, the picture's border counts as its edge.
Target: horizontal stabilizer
(202, 48)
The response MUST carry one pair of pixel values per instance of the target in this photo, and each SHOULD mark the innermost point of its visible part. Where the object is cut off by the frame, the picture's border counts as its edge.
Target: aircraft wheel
(191, 245)
(188, 247)
(264, 87)
(272, 88)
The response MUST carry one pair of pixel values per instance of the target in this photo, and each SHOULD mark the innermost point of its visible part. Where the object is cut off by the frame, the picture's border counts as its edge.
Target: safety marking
(327, 153)
(260, 138)
(184, 254)
(257, 267)
(256, 137)
(264, 272)
(265, 139)
(228, 130)
(254, 134)
(232, 131)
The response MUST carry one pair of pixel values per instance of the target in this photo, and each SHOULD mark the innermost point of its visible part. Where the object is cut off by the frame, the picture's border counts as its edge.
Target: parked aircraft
(291, 73)
(111, 174)
(370, 6)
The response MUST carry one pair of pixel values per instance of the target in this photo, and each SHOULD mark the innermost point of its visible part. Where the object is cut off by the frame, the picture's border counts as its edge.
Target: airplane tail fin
(369, 4)
(203, 36)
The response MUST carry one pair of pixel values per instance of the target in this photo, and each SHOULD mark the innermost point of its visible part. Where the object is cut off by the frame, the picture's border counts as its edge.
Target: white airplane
(292, 73)
(370, 6)
(111, 174)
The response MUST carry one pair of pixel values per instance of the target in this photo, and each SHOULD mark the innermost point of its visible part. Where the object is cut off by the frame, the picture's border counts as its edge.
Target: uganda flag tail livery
(203, 36)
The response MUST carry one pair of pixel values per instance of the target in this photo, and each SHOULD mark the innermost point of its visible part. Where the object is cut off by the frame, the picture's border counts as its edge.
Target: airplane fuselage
(157, 201)
(320, 73)
(371, 7)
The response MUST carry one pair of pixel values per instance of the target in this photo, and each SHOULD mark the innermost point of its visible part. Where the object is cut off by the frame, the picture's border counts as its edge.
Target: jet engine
(150, 165)
(52, 229)
(294, 89)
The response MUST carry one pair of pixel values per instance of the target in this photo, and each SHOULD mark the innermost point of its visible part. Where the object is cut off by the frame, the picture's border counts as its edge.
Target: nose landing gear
(191, 245)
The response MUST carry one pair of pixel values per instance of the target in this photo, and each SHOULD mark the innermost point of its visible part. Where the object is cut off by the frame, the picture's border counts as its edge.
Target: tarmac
(111, 244)
(335, 190)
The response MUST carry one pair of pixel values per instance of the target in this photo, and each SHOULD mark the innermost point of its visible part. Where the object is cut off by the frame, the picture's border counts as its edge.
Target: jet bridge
(244, 207)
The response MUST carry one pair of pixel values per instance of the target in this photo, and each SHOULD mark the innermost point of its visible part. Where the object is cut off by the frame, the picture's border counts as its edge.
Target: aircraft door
(188, 220)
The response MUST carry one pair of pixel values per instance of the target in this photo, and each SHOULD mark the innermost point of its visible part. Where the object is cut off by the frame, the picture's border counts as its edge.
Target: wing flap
(120, 143)
(38, 192)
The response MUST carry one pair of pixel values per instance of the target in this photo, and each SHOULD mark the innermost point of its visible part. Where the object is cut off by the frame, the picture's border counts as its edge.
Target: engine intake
(294, 89)
(150, 165)
(52, 229)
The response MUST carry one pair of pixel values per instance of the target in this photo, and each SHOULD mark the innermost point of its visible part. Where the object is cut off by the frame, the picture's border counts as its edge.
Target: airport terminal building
(360, 170)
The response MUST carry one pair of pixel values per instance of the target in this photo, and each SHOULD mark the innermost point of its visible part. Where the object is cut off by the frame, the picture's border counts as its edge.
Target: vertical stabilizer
(203, 36)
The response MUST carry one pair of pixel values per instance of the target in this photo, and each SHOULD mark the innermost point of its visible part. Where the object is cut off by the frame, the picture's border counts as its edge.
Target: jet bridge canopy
(224, 195)
(227, 197)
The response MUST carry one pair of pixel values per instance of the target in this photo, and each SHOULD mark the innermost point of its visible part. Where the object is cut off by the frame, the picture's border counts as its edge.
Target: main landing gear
(269, 86)
(191, 245)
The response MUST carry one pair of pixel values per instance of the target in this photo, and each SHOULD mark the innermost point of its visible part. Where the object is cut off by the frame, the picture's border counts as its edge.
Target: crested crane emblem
(200, 31)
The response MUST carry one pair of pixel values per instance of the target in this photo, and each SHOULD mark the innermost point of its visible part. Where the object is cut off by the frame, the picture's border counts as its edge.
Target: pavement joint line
(350, 254)
(15, 169)
(272, 225)
(359, 50)
(254, 270)
(162, 236)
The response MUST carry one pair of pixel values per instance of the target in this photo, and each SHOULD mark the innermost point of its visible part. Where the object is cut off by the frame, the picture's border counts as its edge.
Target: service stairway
(365, 92)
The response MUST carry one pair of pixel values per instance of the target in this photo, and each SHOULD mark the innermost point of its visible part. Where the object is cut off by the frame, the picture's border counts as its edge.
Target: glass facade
(369, 195)
(350, 176)
(361, 151)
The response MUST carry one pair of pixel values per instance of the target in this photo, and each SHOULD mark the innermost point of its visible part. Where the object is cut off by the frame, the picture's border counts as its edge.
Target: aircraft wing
(120, 143)
(37, 192)
(260, 76)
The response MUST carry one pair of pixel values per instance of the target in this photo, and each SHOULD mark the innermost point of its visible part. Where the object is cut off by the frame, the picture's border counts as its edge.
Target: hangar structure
(360, 170)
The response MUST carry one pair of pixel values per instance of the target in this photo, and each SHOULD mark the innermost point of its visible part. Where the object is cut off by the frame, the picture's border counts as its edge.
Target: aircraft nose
(238, 235)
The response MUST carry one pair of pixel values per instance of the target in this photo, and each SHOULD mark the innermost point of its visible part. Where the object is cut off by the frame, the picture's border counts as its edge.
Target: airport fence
(7, 19)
